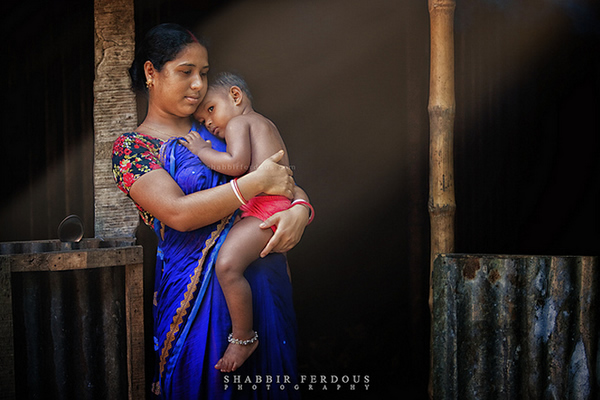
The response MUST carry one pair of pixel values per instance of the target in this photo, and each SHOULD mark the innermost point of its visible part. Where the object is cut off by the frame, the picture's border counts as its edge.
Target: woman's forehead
(193, 55)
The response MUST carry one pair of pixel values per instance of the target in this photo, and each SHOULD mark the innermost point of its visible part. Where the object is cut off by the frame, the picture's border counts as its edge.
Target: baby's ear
(236, 94)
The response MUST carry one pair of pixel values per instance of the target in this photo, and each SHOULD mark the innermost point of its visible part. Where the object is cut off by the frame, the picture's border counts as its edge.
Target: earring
(149, 83)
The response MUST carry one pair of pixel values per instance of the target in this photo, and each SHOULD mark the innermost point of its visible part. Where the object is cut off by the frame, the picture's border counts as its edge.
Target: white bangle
(238, 193)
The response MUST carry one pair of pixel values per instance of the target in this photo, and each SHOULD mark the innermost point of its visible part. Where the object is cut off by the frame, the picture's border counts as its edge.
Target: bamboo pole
(441, 108)
(442, 205)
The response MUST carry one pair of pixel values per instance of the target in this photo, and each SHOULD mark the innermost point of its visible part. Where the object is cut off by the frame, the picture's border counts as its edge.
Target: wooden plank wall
(77, 329)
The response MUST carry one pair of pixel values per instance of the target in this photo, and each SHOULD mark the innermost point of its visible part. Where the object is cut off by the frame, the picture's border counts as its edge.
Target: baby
(227, 113)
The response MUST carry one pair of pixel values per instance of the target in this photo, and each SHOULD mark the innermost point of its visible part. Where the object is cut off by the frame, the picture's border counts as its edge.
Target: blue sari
(191, 320)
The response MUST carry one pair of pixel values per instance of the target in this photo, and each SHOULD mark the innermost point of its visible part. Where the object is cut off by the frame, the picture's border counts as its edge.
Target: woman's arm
(157, 193)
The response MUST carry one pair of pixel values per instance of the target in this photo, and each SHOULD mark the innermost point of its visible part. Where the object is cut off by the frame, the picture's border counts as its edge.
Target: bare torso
(265, 139)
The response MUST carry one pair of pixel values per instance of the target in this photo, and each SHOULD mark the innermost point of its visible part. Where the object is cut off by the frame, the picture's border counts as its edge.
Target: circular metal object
(70, 229)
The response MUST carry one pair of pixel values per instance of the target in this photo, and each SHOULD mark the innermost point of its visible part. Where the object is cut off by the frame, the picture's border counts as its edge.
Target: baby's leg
(242, 246)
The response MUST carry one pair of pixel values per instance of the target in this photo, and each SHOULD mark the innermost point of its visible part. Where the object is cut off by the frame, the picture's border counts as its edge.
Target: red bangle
(238, 193)
(311, 210)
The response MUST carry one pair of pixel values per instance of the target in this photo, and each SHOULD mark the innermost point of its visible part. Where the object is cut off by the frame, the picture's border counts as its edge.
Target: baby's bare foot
(236, 354)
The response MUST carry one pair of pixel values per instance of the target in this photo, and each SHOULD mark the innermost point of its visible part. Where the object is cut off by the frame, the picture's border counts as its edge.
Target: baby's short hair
(228, 79)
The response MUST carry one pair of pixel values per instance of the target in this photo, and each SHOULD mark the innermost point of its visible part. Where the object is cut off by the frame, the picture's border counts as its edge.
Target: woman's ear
(149, 71)
(236, 94)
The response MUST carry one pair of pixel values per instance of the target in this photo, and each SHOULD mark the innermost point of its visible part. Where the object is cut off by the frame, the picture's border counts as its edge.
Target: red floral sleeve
(134, 155)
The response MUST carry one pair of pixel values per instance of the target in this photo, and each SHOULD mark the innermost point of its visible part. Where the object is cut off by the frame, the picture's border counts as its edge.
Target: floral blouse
(134, 154)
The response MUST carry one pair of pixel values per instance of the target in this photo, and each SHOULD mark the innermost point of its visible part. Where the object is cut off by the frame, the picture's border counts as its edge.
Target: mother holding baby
(191, 209)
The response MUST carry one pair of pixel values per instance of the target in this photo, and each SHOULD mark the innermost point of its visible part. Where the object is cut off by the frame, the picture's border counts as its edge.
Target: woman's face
(181, 85)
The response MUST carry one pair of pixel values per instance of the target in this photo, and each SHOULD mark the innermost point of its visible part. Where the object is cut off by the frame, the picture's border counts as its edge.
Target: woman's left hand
(290, 225)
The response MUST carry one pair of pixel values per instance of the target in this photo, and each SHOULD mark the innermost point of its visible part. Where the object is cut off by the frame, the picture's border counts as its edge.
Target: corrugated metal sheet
(70, 321)
(515, 327)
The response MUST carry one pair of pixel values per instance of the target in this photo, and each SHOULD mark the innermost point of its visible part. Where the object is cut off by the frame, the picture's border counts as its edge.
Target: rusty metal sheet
(515, 327)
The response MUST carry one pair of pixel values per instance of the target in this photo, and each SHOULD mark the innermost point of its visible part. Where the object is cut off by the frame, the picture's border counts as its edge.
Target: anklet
(231, 339)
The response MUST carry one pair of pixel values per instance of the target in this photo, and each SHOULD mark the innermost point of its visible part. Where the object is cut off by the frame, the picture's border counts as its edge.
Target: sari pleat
(191, 320)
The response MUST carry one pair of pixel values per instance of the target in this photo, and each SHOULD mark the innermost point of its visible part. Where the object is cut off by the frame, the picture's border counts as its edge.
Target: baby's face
(215, 111)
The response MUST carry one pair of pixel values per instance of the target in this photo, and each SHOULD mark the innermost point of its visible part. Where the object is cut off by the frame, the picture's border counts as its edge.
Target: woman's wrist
(248, 186)
(306, 207)
(238, 193)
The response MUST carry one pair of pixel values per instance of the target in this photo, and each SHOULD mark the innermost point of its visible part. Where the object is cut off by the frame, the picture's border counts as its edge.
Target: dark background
(347, 83)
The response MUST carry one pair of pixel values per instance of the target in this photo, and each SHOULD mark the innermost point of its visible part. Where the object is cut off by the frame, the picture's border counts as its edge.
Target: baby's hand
(195, 143)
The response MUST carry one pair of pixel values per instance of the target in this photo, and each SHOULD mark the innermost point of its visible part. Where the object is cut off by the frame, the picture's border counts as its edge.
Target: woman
(190, 208)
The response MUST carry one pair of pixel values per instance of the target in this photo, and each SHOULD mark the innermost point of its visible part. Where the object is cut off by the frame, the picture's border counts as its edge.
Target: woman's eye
(187, 72)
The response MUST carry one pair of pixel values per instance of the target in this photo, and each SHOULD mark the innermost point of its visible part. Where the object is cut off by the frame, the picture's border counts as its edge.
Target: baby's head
(228, 96)
(227, 80)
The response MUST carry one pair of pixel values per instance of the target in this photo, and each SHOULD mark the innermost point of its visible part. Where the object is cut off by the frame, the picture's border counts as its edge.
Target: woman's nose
(197, 84)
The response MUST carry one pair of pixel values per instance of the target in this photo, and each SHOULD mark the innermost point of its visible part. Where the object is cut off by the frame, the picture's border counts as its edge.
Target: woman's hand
(290, 227)
(275, 179)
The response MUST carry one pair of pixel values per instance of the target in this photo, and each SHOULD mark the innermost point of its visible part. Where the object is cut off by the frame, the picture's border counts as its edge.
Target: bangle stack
(238, 193)
(311, 210)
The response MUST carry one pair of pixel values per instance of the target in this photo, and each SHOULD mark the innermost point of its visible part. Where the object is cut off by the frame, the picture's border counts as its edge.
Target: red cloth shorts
(262, 207)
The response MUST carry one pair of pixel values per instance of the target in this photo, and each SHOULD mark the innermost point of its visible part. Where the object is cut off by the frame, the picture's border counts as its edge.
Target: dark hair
(160, 45)
(228, 79)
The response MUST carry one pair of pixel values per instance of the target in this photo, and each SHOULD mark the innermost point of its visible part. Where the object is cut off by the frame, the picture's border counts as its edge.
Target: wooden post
(114, 113)
(441, 107)
(134, 294)
(7, 349)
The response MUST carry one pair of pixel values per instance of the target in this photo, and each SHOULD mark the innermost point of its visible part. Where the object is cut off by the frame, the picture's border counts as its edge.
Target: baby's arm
(235, 161)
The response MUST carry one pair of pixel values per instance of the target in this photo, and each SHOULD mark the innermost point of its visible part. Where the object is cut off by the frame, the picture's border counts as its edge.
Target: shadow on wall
(346, 82)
